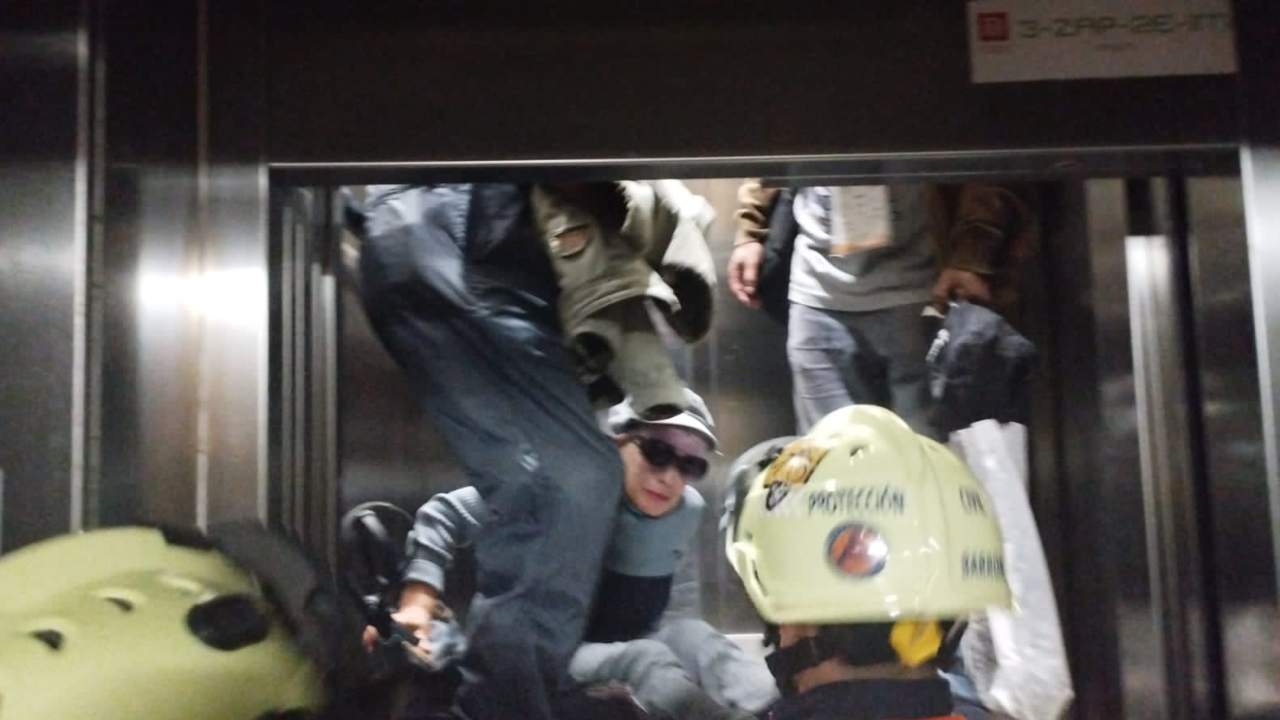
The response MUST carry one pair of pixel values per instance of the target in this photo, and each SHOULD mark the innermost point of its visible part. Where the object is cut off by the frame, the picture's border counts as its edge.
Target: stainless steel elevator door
(1244, 565)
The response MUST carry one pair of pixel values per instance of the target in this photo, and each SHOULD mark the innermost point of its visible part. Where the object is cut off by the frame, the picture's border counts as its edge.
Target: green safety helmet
(862, 521)
(134, 622)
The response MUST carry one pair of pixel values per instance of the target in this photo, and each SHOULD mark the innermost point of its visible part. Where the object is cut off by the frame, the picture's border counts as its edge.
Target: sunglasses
(661, 454)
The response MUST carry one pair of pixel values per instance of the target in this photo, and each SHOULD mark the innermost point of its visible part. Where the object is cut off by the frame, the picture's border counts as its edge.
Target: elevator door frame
(954, 167)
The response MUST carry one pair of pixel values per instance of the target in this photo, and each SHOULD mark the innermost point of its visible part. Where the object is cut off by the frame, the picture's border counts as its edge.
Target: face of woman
(654, 487)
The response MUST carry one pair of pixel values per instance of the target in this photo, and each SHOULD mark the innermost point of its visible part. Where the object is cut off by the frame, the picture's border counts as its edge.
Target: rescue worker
(864, 546)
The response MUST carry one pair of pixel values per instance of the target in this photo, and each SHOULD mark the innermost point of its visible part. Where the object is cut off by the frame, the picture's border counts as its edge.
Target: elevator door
(1149, 483)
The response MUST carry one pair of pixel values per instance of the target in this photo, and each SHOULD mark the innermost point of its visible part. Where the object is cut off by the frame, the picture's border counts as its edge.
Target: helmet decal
(857, 550)
(793, 467)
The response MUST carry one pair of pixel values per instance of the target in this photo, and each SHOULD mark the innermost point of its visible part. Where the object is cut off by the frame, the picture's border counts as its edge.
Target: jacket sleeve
(755, 203)
(443, 524)
(685, 599)
(676, 222)
(991, 225)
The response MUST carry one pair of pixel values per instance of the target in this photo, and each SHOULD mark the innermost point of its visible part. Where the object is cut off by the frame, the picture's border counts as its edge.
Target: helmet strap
(954, 632)
(860, 644)
(916, 642)
(787, 662)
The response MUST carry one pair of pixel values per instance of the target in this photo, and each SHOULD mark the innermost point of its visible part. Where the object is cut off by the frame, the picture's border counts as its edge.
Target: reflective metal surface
(184, 396)
(1260, 171)
(304, 418)
(1244, 566)
(1251, 581)
(1169, 471)
(404, 81)
(154, 296)
(1110, 633)
(44, 167)
(832, 168)
(235, 258)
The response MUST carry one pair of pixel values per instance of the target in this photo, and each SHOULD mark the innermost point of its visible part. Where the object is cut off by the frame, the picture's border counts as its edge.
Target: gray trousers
(877, 357)
(686, 670)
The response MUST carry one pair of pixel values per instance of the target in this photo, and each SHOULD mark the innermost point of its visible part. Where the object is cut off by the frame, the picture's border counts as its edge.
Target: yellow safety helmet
(137, 622)
(862, 521)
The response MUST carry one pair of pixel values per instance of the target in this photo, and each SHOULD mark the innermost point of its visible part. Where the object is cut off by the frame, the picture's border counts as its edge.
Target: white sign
(1020, 40)
(862, 219)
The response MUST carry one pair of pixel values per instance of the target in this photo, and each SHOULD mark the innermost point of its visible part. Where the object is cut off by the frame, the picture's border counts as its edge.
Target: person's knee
(689, 633)
(647, 659)
(651, 652)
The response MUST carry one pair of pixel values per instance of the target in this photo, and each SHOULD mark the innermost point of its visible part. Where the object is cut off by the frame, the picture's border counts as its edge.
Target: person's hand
(414, 618)
(417, 608)
(744, 273)
(954, 284)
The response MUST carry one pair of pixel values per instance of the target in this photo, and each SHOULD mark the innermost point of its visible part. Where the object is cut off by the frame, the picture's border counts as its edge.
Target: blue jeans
(877, 357)
(460, 291)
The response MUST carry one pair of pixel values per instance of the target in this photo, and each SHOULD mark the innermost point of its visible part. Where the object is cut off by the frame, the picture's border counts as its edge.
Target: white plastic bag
(1015, 657)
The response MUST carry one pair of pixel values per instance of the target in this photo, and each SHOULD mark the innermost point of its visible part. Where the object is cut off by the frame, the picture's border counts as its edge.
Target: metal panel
(834, 168)
(409, 81)
(304, 364)
(44, 166)
(1242, 561)
(1116, 513)
(1260, 177)
(1167, 438)
(155, 297)
(185, 310)
(1061, 214)
(1140, 613)
(1260, 170)
(235, 257)
(1110, 638)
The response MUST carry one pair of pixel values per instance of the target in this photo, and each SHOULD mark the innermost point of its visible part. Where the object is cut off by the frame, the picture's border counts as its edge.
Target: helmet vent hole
(52, 638)
(124, 605)
(759, 582)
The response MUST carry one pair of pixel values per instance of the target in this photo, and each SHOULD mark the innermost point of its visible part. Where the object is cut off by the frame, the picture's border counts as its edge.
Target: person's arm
(443, 524)
(685, 598)
(754, 205)
(986, 220)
